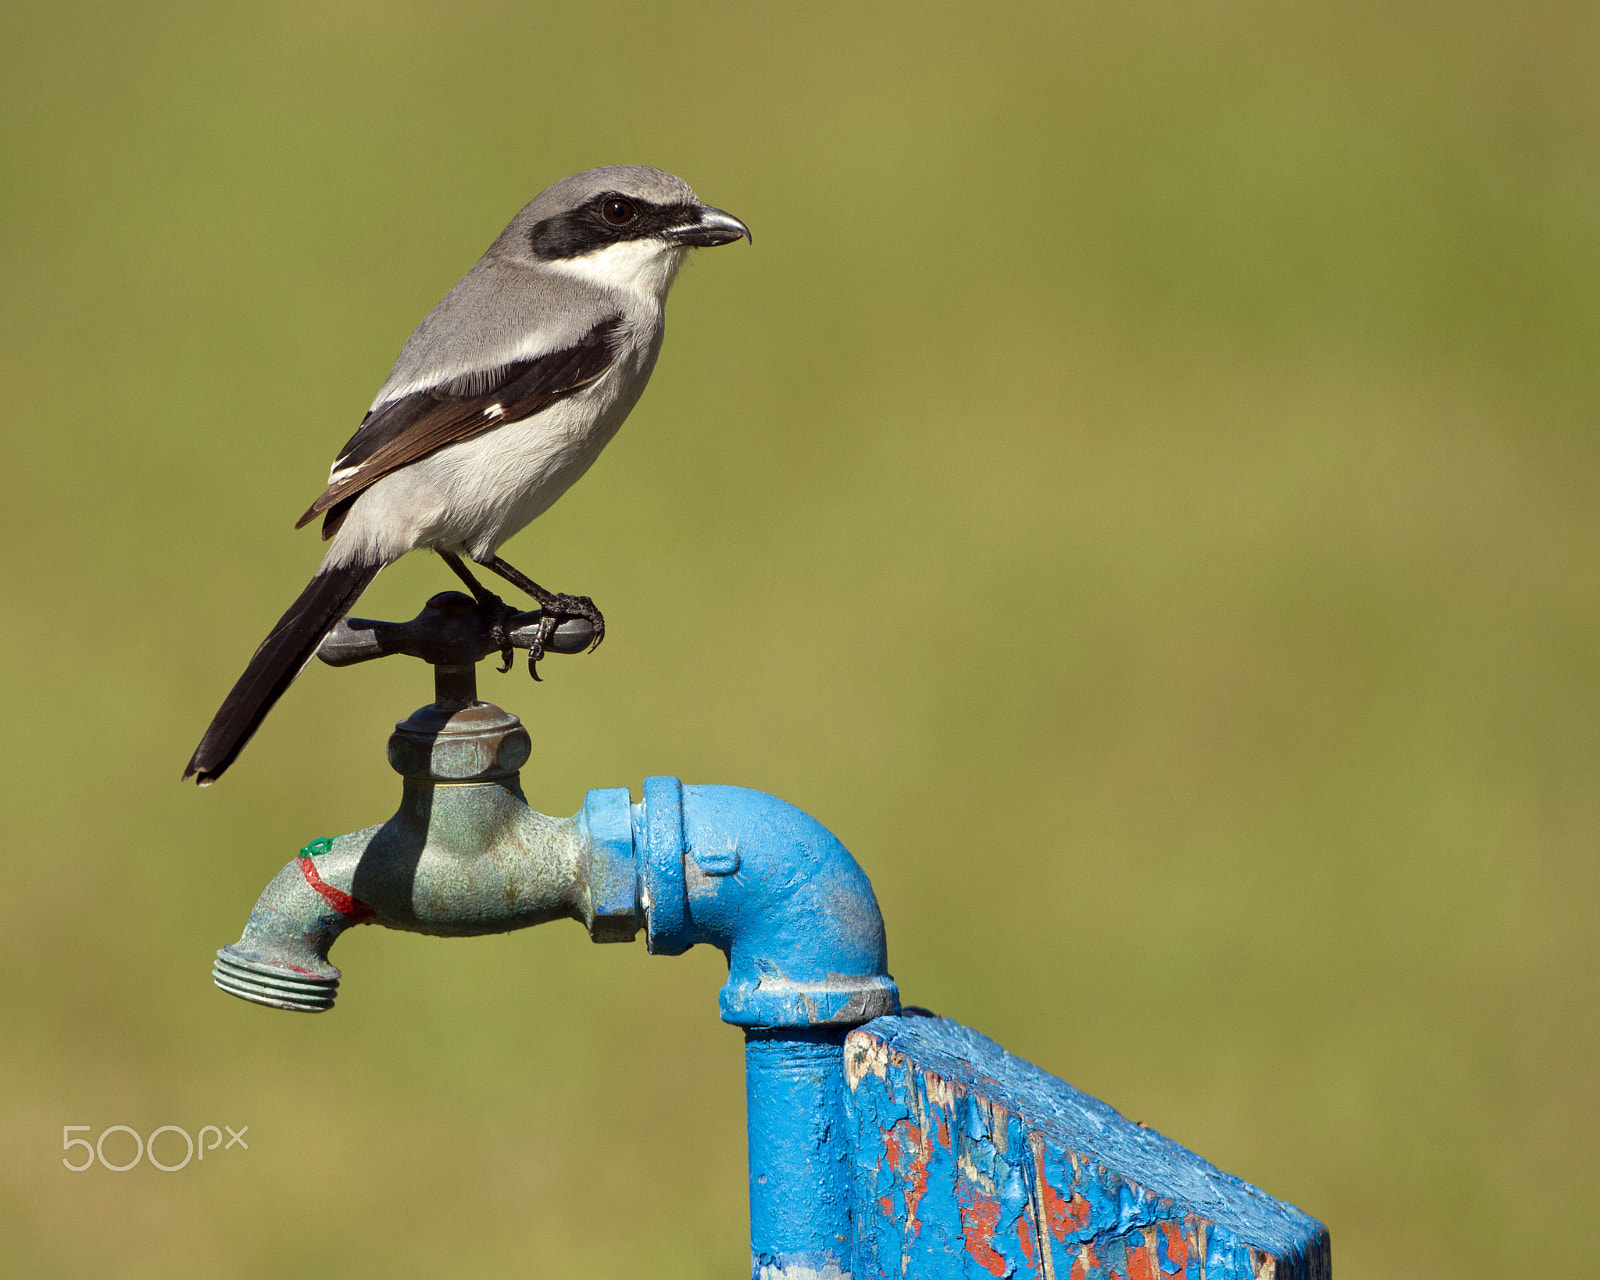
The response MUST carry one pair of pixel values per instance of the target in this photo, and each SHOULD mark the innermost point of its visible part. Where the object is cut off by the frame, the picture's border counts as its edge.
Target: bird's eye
(619, 213)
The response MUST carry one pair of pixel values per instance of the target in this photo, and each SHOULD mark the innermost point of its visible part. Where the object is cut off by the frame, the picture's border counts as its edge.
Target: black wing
(410, 428)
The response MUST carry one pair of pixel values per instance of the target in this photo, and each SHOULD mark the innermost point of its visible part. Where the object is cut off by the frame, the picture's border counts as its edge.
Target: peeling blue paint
(915, 1147)
(970, 1162)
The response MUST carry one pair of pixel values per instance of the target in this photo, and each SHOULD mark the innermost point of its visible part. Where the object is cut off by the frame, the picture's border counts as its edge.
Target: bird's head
(624, 226)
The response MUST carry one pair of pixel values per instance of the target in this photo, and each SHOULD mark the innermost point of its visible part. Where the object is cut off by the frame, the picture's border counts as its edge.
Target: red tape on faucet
(338, 899)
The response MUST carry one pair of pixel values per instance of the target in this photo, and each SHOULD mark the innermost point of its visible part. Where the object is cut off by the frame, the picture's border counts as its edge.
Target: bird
(501, 398)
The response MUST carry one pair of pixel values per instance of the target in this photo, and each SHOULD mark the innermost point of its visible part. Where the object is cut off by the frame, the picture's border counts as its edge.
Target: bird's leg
(498, 610)
(555, 606)
(551, 601)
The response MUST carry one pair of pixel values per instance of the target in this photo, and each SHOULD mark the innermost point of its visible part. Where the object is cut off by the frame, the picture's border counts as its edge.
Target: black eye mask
(586, 228)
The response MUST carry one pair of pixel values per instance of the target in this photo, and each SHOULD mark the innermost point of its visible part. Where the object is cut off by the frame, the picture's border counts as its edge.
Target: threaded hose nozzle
(274, 983)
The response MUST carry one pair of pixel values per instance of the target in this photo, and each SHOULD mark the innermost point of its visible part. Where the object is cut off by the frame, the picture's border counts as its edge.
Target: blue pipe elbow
(767, 884)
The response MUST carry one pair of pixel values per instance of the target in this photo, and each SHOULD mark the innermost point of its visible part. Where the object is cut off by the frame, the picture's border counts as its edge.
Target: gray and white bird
(502, 397)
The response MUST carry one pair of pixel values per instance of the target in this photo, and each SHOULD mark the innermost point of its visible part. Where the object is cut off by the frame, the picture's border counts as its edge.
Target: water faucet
(466, 854)
(463, 854)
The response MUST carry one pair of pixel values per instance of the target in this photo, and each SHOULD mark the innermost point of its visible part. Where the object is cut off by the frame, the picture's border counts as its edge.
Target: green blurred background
(1138, 490)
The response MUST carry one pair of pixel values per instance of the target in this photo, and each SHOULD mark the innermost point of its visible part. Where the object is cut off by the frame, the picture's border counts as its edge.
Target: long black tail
(282, 655)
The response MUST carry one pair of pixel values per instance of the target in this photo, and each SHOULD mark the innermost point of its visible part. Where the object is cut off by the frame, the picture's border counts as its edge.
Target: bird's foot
(541, 635)
(556, 609)
(499, 613)
(559, 607)
(496, 611)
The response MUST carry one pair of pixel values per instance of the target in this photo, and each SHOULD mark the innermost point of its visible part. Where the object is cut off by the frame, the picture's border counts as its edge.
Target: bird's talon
(541, 637)
(501, 641)
(556, 606)
(500, 614)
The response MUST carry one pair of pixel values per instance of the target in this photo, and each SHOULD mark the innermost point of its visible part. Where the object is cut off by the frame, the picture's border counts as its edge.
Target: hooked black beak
(713, 227)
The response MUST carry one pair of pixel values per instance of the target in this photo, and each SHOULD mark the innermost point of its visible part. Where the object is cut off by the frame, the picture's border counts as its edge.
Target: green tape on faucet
(316, 847)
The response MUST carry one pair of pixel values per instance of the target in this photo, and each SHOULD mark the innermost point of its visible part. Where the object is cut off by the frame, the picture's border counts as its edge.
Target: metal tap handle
(451, 631)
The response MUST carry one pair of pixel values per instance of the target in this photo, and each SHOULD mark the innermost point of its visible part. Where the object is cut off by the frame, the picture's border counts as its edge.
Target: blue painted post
(970, 1163)
(800, 1174)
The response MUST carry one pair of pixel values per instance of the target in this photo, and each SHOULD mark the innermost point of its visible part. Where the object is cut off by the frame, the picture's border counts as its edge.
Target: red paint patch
(1141, 1266)
(1177, 1245)
(1025, 1235)
(892, 1141)
(338, 899)
(1063, 1215)
(943, 1130)
(909, 1154)
(1082, 1264)
(886, 1204)
(980, 1214)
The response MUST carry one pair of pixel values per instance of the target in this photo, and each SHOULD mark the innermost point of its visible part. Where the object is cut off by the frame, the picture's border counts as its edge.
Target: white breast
(470, 497)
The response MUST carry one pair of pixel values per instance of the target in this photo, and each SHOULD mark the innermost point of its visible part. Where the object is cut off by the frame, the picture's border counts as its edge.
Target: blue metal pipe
(774, 890)
(786, 903)
(800, 1183)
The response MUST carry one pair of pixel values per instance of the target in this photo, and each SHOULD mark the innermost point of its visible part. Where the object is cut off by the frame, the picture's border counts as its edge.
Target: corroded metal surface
(969, 1162)
(464, 854)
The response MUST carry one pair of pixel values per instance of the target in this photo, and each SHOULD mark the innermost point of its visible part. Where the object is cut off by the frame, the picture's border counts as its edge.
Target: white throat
(645, 267)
